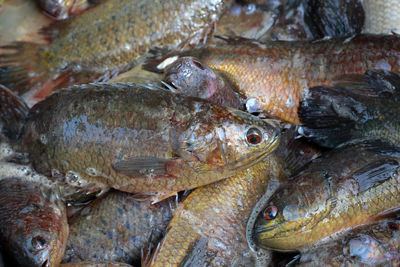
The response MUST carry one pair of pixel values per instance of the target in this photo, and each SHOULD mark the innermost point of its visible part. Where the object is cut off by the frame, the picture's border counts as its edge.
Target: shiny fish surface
(141, 139)
(62, 9)
(344, 188)
(382, 16)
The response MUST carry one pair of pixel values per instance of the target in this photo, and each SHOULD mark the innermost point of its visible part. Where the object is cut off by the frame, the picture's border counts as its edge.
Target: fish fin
(137, 167)
(13, 113)
(198, 254)
(50, 32)
(393, 213)
(22, 66)
(375, 173)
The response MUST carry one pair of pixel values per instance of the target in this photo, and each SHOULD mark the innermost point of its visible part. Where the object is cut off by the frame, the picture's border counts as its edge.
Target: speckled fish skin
(382, 16)
(108, 39)
(278, 74)
(371, 245)
(187, 75)
(117, 228)
(209, 227)
(33, 222)
(96, 264)
(344, 188)
(139, 139)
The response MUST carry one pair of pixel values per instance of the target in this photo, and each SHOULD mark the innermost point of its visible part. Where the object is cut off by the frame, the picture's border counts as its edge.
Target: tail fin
(13, 114)
(22, 66)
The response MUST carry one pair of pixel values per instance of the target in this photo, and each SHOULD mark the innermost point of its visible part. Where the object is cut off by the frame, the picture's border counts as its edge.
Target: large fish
(357, 107)
(209, 227)
(117, 228)
(107, 39)
(278, 74)
(33, 221)
(137, 138)
(352, 185)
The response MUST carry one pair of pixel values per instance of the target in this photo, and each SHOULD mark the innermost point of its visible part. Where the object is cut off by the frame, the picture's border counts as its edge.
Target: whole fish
(33, 221)
(352, 185)
(107, 39)
(278, 74)
(137, 138)
(371, 245)
(189, 76)
(209, 227)
(357, 107)
(382, 17)
(117, 228)
(62, 9)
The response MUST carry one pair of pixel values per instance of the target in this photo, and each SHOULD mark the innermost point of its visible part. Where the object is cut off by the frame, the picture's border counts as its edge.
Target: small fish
(278, 74)
(117, 228)
(369, 245)
(137, 138)
(62, 9)
(209, 227)
(33, 221)
(189, 76)
(107, 39)
(382, 17)
(350, 186)
(356, 107)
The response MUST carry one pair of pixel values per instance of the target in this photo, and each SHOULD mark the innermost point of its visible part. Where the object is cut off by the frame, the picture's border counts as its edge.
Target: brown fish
(33, 222)
(278, 74)
(117, 228)
(209, 227)
(108, 39)
(137, 138)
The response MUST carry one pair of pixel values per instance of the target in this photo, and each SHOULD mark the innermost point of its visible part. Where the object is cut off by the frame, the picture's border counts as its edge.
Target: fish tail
(23, 66)
(13, 114)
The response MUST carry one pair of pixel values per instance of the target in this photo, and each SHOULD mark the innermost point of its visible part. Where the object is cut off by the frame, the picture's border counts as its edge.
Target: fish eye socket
(270, 212)
(38, 242)
(254, 136)
(393, 226)
(198, 64)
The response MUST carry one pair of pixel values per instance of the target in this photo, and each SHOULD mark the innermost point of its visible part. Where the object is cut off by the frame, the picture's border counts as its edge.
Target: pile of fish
(201, 133)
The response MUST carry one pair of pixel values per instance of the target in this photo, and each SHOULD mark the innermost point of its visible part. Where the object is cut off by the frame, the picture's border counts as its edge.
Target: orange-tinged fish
(278, 74)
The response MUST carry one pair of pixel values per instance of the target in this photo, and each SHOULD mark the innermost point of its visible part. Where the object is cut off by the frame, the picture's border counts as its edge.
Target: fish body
(107, 39)
(357, 107)
(382, 17)
(278, 74)
(189, 76)
(117, 228)
(209, 227)
(33, 221)
(140, 139)
(95, 264)
(347, 187)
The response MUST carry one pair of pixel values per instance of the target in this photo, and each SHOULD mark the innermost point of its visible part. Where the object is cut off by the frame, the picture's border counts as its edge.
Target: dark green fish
(138, 138)
(357, 107)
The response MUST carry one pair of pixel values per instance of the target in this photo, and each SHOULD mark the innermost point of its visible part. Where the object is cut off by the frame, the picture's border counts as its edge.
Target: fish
(137, 138)
(376, 244)
(209, 226)
(189, 76)
(278, 74)
(33, 221)
(62, 9)
(382, 17)
(108, 39)
(117, 228)
(355, 107)
(352, 185)
(95, 264)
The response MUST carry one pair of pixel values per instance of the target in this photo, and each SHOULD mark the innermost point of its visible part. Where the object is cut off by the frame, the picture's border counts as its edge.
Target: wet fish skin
(382, 17)
(344, 188)
(187, 75)
(209, 226)
(356, 107)
(112, 37)
(143, 140)
(33, 224)
(117, 228)
(96, 264)
(62, 9)
(376, 244)
(278, 74)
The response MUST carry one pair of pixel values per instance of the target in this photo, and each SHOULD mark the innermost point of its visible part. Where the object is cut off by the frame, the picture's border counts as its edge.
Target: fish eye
(254, 136)
(393, 226)
(38, 242)
(198, 64)
(270, 212)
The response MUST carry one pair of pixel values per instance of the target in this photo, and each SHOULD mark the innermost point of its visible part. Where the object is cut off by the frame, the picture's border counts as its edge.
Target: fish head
(191, 77)
(288, 218)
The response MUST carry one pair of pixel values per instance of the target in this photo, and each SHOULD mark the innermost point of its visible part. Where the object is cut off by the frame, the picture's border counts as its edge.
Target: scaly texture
(382, 16)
